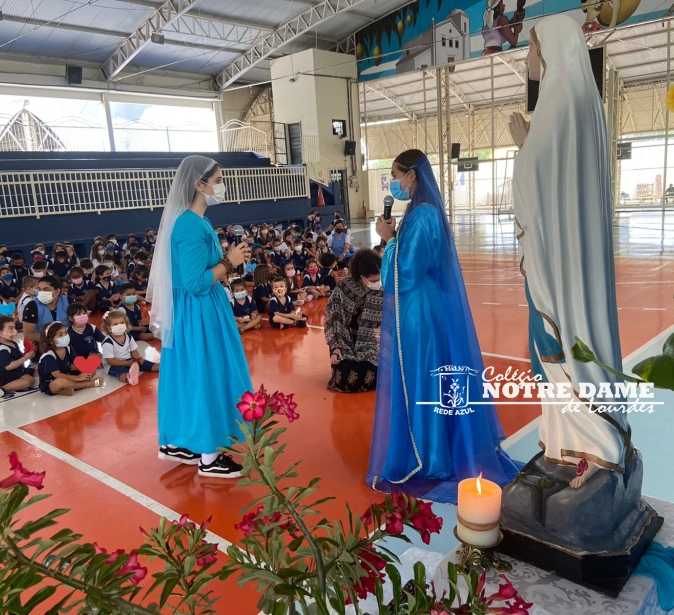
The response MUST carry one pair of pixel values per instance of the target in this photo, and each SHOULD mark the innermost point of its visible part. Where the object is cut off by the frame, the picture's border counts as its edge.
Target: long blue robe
(205, 373)
(414, 448)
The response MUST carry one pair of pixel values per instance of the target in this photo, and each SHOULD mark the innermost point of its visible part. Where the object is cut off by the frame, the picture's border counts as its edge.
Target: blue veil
(426, 325)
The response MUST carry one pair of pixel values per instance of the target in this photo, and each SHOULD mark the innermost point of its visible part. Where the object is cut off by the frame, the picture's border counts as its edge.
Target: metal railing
(63, 192)
(320, 169)
(240, 137)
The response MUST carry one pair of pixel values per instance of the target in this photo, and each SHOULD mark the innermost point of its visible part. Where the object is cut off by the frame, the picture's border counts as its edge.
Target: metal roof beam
(391, 97)
(164, 15)
(285, 33)
(353, 13)
(514, 66)
(43, 23)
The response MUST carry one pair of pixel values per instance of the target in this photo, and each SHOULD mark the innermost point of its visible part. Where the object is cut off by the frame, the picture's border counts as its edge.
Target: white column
(108, 120)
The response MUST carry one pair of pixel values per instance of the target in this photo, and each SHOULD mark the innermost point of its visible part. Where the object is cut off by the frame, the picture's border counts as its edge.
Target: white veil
(488, 17)
(160, 286)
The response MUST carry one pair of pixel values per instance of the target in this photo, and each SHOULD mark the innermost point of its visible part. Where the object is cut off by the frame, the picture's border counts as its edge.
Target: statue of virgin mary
(562, 194)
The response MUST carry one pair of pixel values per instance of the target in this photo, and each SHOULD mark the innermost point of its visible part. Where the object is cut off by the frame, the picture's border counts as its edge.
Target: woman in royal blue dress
(203, 367)
(417, 446)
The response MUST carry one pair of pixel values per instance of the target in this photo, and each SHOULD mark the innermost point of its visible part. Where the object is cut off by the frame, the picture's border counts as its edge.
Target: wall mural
(428, 33)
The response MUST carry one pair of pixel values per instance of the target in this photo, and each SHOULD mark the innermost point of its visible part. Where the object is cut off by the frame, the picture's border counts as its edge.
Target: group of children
(286, 269)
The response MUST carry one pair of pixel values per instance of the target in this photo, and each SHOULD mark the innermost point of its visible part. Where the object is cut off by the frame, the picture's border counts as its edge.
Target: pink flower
(249, 523)
(366, 518)
(505, 592)
(206, 523)
(394, 523)
(185, 521)
(21, 476)
(132, 565)
(425, 521)
(98, 549)
(284, 404)
(210, 556)
(581, 467)
(252, 406)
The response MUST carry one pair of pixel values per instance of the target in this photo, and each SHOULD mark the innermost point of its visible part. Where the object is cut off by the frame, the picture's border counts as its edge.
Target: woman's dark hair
(48, 333)
(74, 309)
(53, 281)
(408, 159)
(364, 263)
(5, 320)
(142, 270)
(100, 270)
(206, 176)
(261, 275)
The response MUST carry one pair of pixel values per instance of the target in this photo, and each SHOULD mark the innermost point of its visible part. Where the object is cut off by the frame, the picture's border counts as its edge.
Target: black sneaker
(181, 455)
(223, 467)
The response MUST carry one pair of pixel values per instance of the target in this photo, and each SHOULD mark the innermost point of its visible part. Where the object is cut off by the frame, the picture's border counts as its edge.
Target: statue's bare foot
(579, 481)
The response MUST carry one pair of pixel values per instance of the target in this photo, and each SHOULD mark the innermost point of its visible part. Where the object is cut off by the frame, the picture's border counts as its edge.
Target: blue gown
(415, 449)
(205, 373)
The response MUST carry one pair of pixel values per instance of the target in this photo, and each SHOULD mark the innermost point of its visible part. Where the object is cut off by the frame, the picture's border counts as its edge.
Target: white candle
(478, 511)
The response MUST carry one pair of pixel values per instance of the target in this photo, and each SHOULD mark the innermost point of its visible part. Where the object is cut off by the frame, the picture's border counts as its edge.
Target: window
(339, 128)
(456, 44)
(444, 42)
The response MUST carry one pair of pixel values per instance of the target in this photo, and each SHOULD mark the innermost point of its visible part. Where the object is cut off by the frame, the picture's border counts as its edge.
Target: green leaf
(420, 576)
(396, 583)
(657, 370)
(40, 596)
(57, 608)
(668, 346)
(581, 352)
(285, 589)
(16, 496)
(169, 586)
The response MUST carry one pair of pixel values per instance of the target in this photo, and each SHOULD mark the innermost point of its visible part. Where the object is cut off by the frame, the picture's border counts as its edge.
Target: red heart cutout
(28, 346)
(88, 365)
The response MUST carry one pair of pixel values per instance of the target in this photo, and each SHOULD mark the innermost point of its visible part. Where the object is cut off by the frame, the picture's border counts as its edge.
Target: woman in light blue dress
(424, 442)
(203, 366)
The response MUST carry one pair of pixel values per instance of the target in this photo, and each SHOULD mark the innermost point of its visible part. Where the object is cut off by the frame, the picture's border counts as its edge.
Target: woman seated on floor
(352, 322)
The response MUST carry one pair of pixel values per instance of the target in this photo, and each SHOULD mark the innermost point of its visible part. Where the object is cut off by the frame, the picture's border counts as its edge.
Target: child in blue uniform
(282, 312)
(84, 337)
(120, 351)
(140, 276)
(88, 269)
(137, 330)
(8, 291)
(300, 256)
(19, 269)
(327, 275)
(312, 281)
(261, 288)
(13, 375)
(245, 311)
(60, 264)
(81, 290)
(294, 291)
(58, 376)
(108, 293)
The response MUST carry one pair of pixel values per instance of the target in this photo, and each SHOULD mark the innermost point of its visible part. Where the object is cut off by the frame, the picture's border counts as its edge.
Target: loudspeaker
(74, 75)
(456, 150)
(349, 148)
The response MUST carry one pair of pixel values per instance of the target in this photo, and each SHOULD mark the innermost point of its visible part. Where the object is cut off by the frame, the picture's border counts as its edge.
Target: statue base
(593, 536)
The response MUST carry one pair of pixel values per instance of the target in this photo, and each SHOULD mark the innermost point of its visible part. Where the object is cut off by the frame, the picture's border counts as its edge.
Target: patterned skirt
(353, 377)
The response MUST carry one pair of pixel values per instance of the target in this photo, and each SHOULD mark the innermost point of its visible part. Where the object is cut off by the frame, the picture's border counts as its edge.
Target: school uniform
(19, 274)
(105, 294)
(112, 349)
(85, 343)
(276, 307)
(325, 279)
(242, 310)
(9, 291)
(135, 319)
(140, 286)
(10, 352)
(60, 269)
(276, 258)
(307, 281)
(88, 277)
(80, 290)
(299, 260)
(130, 269)
(148, 246)
(21, 305)
(50, 362)
(294, 289)
(261, 291)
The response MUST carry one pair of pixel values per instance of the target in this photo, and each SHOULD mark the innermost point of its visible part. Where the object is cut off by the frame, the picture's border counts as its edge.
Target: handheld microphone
(238, 238)
(388, 207)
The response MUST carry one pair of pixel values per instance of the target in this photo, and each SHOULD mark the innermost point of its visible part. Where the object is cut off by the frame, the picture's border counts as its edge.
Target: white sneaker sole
(218, 475)
(187, 462)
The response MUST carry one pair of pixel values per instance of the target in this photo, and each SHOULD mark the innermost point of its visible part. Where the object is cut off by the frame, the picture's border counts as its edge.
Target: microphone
(388, 206)
(238, 237)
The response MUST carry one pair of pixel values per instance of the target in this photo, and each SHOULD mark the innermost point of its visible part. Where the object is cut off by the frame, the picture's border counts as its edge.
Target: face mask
(277, 248)
(218, 195)
(291, 273)
(150, 236)
(6, 310)
(373, 285)
(130, 299)
(101, 252)
(7, 277)
(38, 274)
(279, 292)
(279, 228)
(298, 249)
(88, 271)
(76, 281)
(45, 296)
(296, 234)
(3, 261)
(241, 295)
(81, 319)
(63, 342)
(111, 248)
(106, 278)
(396, 190)
(254, 229)
(339, 231)
(313, 270)
(114, 241)
(118, 329)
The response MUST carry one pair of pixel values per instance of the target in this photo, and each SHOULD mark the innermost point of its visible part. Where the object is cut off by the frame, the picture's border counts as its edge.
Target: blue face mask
(397, 192)
(130, 299)
(241, 295)
(7, 277)
(7, 310)
(63, 342)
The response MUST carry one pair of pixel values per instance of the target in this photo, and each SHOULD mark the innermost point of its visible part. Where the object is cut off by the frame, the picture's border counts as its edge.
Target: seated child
(88, 269)
(108, 293)
(58, 376)
(282, 312)
(139, 277)
(59, 266)
(40, 269)
(81, 290)
(249, 266)
(13, 375)
(312, 281)
(120, 351)
(29, 292)
(8, 290)
(245, 311)
(300, 256)
(19, 269)
(84, 337)
(276, 257)
(309, 245)
(328, 275)
(294, 291)
(261, 288)
(137, 329)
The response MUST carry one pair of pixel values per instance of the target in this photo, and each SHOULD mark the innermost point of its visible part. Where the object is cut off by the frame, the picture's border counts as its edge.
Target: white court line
(655, 309)
(487, 303)
(113, 483)
(502, 356)
(660, 267)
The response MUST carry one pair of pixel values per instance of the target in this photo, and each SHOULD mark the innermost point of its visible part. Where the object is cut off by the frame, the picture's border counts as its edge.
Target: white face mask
(373, 285)
(298, 249)
(45, 296)
(118, 329)
(218, 196)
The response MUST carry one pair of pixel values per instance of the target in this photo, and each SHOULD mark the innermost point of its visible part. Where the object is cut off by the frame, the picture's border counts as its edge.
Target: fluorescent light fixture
(157, 38)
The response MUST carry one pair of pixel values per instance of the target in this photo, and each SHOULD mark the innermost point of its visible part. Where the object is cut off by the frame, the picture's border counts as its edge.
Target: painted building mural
(429, 33)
